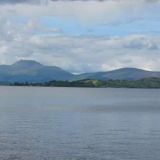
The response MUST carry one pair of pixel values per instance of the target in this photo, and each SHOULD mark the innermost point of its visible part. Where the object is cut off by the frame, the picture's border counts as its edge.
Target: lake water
(39, 123)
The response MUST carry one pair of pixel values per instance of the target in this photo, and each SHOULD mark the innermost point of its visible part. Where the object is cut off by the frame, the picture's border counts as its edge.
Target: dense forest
(142, 83)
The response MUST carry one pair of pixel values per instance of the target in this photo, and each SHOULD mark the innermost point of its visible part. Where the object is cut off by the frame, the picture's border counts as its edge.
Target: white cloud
(22, 35)
(109, 11)
(79, 54)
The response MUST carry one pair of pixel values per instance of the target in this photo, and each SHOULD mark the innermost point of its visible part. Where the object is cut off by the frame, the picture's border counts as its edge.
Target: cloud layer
(37, 30)
(77, 53)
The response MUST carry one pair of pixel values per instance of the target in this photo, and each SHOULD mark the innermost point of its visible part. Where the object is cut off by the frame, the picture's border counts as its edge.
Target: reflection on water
(79, 124)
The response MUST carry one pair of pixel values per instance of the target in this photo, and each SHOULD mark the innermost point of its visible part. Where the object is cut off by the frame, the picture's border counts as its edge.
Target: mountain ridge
(33, 71)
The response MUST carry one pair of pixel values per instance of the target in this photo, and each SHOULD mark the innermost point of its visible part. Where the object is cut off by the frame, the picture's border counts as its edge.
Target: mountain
(31, 71)
(34, 72)
(120, 74)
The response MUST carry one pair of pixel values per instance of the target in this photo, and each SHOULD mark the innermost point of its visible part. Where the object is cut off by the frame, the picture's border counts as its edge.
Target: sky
(81, 36)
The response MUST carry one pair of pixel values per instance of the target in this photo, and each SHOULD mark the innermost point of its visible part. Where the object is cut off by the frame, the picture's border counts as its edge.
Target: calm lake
(38, 123)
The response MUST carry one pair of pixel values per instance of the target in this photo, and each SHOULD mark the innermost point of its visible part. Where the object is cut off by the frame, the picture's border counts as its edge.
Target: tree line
(142, 83)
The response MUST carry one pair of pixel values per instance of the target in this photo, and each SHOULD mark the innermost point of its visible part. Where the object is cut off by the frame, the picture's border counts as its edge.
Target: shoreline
(41, 86)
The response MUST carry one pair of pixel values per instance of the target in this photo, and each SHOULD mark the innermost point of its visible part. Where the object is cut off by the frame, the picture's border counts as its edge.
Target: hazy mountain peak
(129, 69)
(27, 63)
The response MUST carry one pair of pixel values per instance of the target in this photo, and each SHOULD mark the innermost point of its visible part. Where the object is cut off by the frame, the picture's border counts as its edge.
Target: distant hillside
(34, 72)
(120, 74)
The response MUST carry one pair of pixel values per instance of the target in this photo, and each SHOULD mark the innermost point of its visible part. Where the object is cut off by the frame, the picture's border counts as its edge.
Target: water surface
(38, 123)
